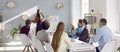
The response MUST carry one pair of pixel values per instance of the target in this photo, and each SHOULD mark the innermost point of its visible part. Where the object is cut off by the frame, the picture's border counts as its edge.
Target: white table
(80, 46)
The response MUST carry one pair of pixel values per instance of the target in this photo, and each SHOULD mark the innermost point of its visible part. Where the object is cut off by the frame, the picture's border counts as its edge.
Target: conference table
(80, 46)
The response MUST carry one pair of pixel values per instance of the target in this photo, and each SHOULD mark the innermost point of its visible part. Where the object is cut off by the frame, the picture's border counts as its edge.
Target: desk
(80, 46)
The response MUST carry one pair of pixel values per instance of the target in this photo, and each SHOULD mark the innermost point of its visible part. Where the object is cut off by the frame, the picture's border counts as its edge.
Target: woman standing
(42, 35)
(36, 23)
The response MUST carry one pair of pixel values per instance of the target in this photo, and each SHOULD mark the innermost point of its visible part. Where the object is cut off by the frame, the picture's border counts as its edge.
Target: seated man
(25, 29)
(103, 34)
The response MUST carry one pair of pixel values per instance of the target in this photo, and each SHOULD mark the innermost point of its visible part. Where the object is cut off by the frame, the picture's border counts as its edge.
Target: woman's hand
(71, 25)
(74, 31)
(40, 10)
(72, 40)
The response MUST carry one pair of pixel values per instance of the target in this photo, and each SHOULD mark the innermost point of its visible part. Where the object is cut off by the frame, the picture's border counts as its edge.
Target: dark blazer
(84, 35)
(25, 30)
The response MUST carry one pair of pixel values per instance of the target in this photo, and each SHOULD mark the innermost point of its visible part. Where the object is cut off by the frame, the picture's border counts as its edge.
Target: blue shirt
(79, 30)
(73, 35)
(103, 35)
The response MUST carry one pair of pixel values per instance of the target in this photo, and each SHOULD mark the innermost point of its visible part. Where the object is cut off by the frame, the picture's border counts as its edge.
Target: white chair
(25, 41)
(48, 47)
(38, 45)
(109, 47)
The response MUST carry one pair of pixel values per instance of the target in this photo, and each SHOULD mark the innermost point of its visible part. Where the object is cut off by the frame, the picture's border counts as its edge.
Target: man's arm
(97, 36)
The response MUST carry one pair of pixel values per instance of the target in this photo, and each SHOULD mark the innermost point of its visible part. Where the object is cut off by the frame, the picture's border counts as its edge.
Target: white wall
(99, 6)
(111, 14)
(118, 13)
(48, 8)
(93, 5)
(108, 9)
(76, 11)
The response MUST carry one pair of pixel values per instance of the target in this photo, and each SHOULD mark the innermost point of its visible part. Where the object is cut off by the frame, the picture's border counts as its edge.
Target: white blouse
(32, 31)
(64, 43)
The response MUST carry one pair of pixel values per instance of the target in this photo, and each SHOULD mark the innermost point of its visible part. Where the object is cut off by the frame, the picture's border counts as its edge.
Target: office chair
(48, 47)
(38, 45)
(25, 41)
(108, 47)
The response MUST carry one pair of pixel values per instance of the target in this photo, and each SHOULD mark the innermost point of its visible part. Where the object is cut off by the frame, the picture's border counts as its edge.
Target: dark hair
(28, 22)
(45, 25)
(103, 20)
(85, 21)
(1, 18)
(38, 13)
(80, 21)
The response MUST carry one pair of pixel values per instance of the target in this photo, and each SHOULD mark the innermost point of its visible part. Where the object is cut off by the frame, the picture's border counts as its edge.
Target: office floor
(16, 45)
(12, 46)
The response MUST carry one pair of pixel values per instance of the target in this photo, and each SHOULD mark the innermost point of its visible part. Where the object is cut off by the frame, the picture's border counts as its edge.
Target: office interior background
(11, 16)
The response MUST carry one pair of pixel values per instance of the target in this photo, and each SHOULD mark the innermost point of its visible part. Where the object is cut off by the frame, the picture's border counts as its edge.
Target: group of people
(60, 40)
(81, 32)
(37, 28)
(102, 35)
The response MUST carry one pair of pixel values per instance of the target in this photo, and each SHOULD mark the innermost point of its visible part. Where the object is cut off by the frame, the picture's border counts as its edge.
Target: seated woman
(42, 35)
(60, 40)
(77, 30)
(25, 29)
(84, 35)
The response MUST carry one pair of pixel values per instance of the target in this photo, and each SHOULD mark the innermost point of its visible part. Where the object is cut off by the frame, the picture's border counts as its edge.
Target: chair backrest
(25, 39)
(109, 47)
(48, 47)
(38, 45)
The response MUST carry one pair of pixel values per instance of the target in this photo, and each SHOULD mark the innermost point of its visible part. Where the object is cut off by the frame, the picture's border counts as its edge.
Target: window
(85, 7)
(118, 5)
(119, 25)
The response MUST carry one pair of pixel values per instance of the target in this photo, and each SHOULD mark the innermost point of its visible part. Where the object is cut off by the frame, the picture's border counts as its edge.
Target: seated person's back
(25, 29)
(60, 40)
(42, 35)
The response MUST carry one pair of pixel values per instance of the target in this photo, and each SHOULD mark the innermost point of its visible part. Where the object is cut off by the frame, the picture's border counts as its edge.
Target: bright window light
(11, 48)
(85, 7)
(14, 43)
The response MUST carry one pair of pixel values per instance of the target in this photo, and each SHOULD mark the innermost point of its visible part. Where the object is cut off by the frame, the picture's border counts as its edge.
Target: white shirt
(32, 31)
(64, 43)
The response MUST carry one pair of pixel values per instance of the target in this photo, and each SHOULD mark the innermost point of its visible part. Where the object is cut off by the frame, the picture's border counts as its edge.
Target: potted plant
(118, 49)
(15, 31)
(69, 33)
